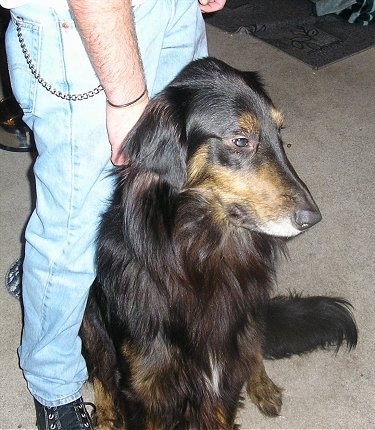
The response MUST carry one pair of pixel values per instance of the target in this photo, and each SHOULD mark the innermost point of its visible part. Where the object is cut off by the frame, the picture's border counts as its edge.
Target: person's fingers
(208, 6)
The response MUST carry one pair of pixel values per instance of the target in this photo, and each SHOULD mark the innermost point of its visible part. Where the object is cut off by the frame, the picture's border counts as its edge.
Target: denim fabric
(71, 172)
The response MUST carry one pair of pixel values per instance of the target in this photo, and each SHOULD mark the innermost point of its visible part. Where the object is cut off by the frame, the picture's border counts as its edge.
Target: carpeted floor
(293, 27)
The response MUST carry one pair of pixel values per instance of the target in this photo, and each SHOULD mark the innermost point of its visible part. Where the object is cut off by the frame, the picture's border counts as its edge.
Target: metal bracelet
(47, 86)
(133, 102)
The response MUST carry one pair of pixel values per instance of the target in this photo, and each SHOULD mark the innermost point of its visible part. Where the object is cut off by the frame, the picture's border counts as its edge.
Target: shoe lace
(86, 418)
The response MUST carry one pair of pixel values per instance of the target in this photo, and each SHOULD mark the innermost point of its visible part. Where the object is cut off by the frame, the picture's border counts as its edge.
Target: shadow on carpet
(293, 27)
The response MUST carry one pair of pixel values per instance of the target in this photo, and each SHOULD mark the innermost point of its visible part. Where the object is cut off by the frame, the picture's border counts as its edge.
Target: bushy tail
(296, 324)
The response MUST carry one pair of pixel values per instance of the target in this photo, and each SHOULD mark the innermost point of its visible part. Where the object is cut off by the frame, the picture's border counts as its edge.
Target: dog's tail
(295, 324)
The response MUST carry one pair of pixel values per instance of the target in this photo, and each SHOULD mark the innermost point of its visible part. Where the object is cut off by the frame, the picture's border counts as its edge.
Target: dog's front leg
(263, 392)
(105, 416)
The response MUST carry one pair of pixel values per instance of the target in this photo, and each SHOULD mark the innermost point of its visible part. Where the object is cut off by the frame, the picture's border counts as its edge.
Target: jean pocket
(22, 46)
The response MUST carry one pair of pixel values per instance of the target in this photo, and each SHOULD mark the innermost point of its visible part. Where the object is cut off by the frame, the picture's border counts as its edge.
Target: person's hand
(211, 5)
(119, 122)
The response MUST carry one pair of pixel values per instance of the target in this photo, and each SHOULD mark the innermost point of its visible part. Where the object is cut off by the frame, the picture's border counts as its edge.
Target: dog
(181, 314)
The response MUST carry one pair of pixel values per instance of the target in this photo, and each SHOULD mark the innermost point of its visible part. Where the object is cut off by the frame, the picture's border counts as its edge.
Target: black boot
(72, 416)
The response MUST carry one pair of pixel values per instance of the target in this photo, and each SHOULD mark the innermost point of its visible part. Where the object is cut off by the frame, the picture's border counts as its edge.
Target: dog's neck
(213, 250)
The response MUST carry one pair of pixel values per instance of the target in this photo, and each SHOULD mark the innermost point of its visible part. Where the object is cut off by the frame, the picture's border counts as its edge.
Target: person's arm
(108, 33)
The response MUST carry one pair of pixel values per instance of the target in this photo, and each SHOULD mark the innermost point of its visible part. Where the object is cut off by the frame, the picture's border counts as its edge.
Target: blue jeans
(71, 173)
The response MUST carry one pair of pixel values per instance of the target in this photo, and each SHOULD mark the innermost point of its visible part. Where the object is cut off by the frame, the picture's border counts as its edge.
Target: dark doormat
(293, 27)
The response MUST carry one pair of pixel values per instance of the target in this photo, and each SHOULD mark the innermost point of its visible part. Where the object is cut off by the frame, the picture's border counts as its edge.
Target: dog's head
(214, 130)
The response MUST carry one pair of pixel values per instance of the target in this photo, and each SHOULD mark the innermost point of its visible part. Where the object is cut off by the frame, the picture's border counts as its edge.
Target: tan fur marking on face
(268, 193)
(262, 191)
(249, 123)
(277, 116)
(197, 165)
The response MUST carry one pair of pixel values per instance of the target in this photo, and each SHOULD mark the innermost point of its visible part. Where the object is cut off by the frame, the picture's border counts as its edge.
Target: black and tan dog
(181, 315)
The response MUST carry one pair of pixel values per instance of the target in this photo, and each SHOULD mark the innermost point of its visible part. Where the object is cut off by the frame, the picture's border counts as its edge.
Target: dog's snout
(306, 217)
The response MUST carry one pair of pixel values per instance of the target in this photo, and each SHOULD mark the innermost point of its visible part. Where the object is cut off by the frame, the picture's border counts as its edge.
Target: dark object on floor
(181, 315)
(13, 279)
(293, 27)
(15, 135)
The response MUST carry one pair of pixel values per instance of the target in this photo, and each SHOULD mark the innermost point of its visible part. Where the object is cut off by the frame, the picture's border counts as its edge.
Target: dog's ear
(157, 144)
(148, 187)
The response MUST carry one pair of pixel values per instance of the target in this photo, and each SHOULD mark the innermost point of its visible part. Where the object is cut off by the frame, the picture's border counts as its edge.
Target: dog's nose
(306, 218)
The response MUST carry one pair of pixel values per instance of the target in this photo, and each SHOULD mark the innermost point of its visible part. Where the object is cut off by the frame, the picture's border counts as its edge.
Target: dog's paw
(266, 396)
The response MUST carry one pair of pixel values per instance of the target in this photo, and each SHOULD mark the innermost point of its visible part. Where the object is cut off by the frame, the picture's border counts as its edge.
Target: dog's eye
(241, 142)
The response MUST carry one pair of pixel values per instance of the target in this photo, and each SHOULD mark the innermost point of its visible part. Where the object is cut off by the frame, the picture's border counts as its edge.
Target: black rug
(293, 27)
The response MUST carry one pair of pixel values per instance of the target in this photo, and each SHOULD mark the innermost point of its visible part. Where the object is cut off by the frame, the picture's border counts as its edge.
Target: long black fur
(296, 324)
(181, 313)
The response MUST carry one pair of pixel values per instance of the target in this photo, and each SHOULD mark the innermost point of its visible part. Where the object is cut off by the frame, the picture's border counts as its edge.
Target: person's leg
(72, 186)
(71, 175)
